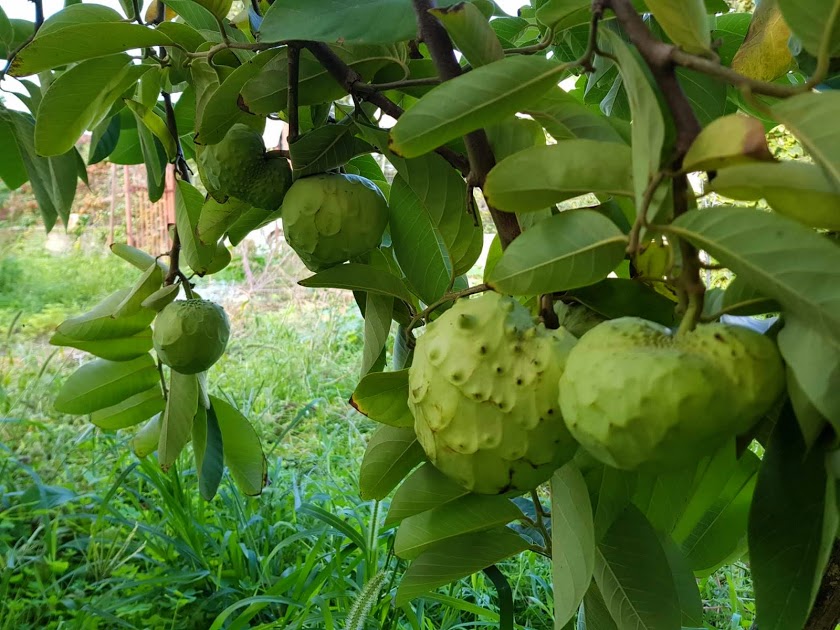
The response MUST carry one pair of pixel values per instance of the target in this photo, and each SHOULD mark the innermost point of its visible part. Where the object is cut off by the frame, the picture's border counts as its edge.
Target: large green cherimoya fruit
(240, 167)
(331, 218)
(191, 335)
(635, 395)
(483, 389)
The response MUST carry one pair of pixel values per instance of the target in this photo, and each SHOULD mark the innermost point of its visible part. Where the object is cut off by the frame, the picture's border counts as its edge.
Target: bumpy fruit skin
(331, 218)
(190, 335)
(636, 396)
(483, 391)
(240, 167)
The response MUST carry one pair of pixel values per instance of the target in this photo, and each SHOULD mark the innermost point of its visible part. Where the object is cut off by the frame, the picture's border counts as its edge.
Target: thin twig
(449, 297)
(732, 308)
(183, 170)
(39, 20)
(369, 88)
(544, 43)
(294, 77)
(540, 520)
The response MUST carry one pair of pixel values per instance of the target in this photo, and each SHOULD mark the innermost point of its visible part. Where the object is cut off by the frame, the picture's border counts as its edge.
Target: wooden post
(129, 232)
(113, 203)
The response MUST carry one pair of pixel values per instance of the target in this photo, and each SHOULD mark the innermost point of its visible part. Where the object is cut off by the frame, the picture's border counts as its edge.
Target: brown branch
(183, 170)
(826, 610)
(352, 83)
(479, 151)
(294, 79)
(659, 58)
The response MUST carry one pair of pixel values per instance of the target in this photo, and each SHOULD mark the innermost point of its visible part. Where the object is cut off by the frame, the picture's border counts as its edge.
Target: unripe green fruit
(330, 218)
(191, 335)
(240, 167)
(634, 395)
(483, 390)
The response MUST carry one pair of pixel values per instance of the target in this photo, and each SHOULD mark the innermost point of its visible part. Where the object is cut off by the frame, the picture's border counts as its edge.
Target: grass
(93, 538)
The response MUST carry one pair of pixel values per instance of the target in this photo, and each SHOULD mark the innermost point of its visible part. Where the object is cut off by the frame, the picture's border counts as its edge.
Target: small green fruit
(240, 167)
(634, 395)
(483, 391)
(190, 335)
(329, 218)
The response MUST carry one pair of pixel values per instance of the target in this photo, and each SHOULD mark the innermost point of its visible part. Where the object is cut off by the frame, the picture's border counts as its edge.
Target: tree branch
(352, 83)
(183, 170)
(479, 151)
(294, 78)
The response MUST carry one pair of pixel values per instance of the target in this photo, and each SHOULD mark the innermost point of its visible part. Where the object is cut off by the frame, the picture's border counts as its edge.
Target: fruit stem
(693, 311)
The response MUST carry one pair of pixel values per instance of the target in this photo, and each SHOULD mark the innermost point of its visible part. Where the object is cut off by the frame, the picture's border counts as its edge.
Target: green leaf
(154, 157)
(424, 489)
(72, 102)
(797, 190)
(250, 220)
(131, 411)
(358, 277)
(457, 558)
(378, 309)
(815, 23)
(12, 169)
(793, 522)
(812, 118)
(686, 23)
(359, 21)
(268, 91)
(104, 139)
(730, 29)
(815, 359)
(145, 441)
(100, 384)
(573, 541)
(477, 99)
(471, 33)
(147, 284)
(325, 148)
(155, 124)
(189, 203)
(565, 117)
(383, 397)
(595, 614)
(648, 126)
(127, 149)
(569, 250)
(542, 176)
(418, 245)
(621, 297)
(216, 218)
(779, 257)
(162, 298)
(691, 605)
(99, 324)
(194, 14)
(661, 497)
(222, 109)
(465, 515)
(134, 256)
(390, 455)
(120, 349)
(177, 423)
(243, 452)
(76, 42)
(208, 452)
(632, 572)
(707, 95)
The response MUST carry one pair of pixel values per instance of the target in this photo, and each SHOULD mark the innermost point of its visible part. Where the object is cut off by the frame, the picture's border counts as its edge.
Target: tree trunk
(826, 612)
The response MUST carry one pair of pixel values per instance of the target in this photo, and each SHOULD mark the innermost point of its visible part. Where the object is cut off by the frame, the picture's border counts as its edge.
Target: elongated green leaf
(457, 558)
(621, 297)
(812, 118)
(662, 497)
(471, 33)
(815, 359)
(325, 148)
(648, 126)
(418, 245)
(468, 514)
(383, 396)
(480, 98)
(390, 455)
(131, 411)
(795, 189)
(565, 117)
(145, 441)
(98, 323)
(595, 613)
(104, 139)
(177, 422)
(155, 124)
(685, 22)
(135, 257)
(691, 605)
(208, 451)
(71, 103)
(243, 452)
(753, 303)
(188, 208)
(77, 42)
(162, 298)
(154, 157)
(358, 277)
(378, 309)
(250, 220)
(100, 384)
(145, 286)
(12, 169)
(119, 349)
(569, 250)
(216, 218)
(814, 22)
(424, 489)
(542, 176)
(793, 522)
(779, 257)
(632, 572)
(361, 21)
(573, 541)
